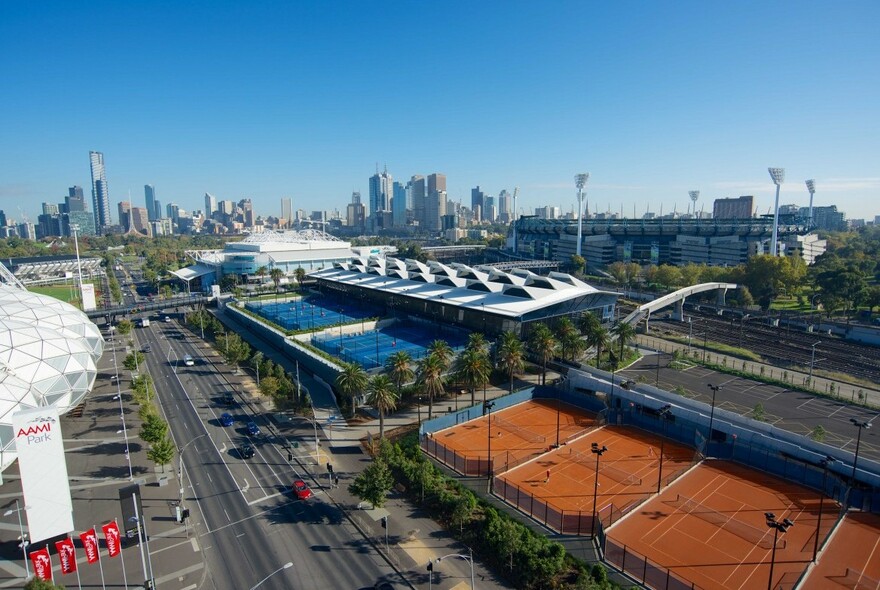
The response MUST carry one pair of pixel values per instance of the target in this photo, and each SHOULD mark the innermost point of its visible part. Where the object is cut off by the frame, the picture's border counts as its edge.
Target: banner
(67, 555)
(111, 535)
(90, 544)
(42, 563)
(43, 470)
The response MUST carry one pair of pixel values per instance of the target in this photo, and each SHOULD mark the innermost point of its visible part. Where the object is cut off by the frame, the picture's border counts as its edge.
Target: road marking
(264, 498)
(227, 515)
(195, 545)
(246, 487)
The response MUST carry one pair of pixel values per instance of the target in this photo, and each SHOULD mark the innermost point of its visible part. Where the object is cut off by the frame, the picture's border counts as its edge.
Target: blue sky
(304, 99)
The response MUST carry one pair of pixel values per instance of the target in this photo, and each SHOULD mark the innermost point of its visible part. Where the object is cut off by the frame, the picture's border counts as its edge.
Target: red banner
(90, 544)
(42, 563)
(111, 535)
(67, 555)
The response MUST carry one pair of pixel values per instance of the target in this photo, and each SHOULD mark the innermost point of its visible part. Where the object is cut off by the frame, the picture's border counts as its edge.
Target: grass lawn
(66, 293)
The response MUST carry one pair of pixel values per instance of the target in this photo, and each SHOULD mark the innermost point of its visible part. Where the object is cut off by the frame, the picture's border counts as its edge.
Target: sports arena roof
(484, 288)
(48, 351)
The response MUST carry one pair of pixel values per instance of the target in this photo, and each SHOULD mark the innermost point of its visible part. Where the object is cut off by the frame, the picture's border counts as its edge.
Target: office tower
(435, 205)
(436, 182)
(398, 205)
(50, 209)
(356, 197)
(226, 207)
(173, 212)
(74, 200)
(829, 218)
(286, 211)
(489, 211)
(505, 206)
(210, 205)
(418, 191)
(478, 202)
(3, 222)
(100, 192)
(139, 222)
(83, 219)
(124, 209)
(380, 192)
(153, 210)
(738, 208)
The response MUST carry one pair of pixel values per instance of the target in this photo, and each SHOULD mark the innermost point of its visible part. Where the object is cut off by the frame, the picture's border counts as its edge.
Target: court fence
(566, 522)
(642, 569)
(474, 465)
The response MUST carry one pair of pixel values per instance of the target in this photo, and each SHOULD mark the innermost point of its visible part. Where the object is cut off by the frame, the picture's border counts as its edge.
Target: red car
(301, 490)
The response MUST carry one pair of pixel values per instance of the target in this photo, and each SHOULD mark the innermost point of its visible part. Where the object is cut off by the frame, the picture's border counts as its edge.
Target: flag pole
(100, 563)
(122, 559)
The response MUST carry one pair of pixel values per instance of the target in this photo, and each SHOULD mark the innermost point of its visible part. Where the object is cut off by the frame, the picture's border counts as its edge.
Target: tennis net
(607, 469)
(518, 430)
(759, 537)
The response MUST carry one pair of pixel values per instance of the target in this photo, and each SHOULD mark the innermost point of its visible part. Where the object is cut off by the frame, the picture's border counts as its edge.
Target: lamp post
(580, 180)
(812, 360)
(811, 187)
(143, 539)
(714, 389)
(862, 426)
(287, 565)
(598, 451)
(487, 406)
(122, 415)
(180, 465)
(778, 177)
(22, 536)
(657, 377)
(690, 333)
(778, 527)
(664, 412)
(742, 320)
(468, 558)
(828, 460)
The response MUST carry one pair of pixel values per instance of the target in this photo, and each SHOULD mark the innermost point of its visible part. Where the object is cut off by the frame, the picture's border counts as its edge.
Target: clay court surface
(851, 559)
(709, 528)
(518, 432)
(628, 471)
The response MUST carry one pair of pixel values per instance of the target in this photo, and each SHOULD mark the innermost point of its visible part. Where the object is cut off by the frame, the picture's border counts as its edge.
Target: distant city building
(210, 205)
(734, 208)
(3, 222)
(74, 200)
(172, 211)
(82, 219)
(355, 214)
(505, 206)
(123, 208)
(478, 203)
(154, 208)
(829, 218)
(100, 192)
(418, 193)
(381, 193)
(435, 205)
(398, 205)
(287, 211)
(27, 231)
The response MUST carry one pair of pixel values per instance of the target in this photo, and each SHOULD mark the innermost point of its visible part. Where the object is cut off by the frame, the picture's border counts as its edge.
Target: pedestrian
(336, 480)
(548, 476)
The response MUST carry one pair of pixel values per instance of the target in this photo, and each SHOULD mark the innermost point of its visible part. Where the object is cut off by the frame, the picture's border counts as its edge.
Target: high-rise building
(738, 208)
(154, 210)
(381, 191)
(418, 191)
(478, 202)
(505, 206)
(100, 192)
(74, 200)
(50, 209)
(3, 222)
(829, 218)
(124, 220)
(173, 212)
(287, 211)
(210, 205)
(435, 206)
(138, 221)
(356, 197)
(398, 205)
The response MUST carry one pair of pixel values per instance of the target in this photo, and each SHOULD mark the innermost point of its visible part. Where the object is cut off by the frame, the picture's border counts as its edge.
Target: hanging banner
(67, 555)
(43, 470)
(90, 544)
(42, 563)
(111, 535)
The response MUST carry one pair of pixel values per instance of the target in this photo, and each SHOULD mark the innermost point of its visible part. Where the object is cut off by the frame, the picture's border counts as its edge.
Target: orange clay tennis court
(709, 528)
(851, 559)
(564, 479)
(518, 433)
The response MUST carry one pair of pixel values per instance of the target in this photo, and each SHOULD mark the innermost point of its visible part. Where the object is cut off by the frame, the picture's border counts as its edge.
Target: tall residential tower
(100, 192)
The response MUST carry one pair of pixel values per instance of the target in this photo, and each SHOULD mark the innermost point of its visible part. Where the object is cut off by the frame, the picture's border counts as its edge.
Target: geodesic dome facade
(48, 355)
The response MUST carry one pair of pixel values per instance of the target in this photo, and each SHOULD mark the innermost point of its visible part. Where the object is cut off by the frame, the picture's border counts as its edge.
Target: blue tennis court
(371, 349)
(313, 312)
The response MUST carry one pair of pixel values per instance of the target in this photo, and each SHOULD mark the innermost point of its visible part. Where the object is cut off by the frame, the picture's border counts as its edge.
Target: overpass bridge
(112, 312)
(676, 298)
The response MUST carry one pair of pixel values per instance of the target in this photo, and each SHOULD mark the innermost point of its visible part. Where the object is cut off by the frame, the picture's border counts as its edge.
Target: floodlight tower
(694, 195)
(778, 176)
(580, 180)
(811, 186)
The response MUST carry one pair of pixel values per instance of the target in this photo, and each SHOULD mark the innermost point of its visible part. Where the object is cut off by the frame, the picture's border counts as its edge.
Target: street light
(580, 180)
(812, 360)
(122, 414)
(828, 460)
(778, 176)
(778, 527)
(468, 558)
(596, 450)
(22, 536)
(664, 413)
(287, 565)
(811, 186)
(714, 389)
(487, 406)
(180, 465)
(862, 426)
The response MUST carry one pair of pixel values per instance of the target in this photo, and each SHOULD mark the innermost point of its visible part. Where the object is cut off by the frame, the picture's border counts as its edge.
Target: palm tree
(600, 339)
(383, 397)
(275, 274)
(564, 330)
(262, 272)
(429, 378)
(588, 323)
(510, 355)
(624, 333)
(442, 350)
(542, 343)
(398, 367)
(300, 274)
(351, 381)
(477, 341)
(472, 367)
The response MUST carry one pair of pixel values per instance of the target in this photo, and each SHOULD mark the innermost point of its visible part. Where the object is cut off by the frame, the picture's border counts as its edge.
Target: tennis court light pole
(488, 407)
(714, 389)
(828, 460)
(664, 412)
(777, 526)
(596, 450)
(862, 426)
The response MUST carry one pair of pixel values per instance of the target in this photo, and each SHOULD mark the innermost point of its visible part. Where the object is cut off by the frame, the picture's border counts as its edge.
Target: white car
(188, 361)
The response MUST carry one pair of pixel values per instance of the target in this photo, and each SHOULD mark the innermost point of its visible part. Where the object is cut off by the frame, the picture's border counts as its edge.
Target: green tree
(668, 276)
(276, 274)
(382, 396)
(300, 275)
(399, 369)
(161, 452)
(511, 355)
(153, 428)
(429, 379)
(442, 350)
(124, 327)
(472, 368)
(270, 386)
(351, 382)
(566, 333)
(618, 271)
(758, 412)
(818, 433)
(261, 272)
(463, 511)
(578, 264)
(133, 361)
(542, 344)
(373, 483)
(38, 584)
(477, 340)
(624, 333)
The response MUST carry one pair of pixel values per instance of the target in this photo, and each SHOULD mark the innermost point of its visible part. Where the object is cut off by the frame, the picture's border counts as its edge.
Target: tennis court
(709, 529)
(372, 348)
(851, 559)
(314, 312)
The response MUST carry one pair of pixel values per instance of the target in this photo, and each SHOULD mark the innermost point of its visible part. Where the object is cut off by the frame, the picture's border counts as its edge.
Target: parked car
(301, 490)
(246, 451)
(226, 419)
(253, 429)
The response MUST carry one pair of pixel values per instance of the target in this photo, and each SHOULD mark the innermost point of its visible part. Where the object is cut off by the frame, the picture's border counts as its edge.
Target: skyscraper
(418, 191)
(435, 205)
(100, 192)
(478, 203)
(398, 205)
(380, 192)
(153, 211)
(287, 211)
(210, 205)
(74, 200)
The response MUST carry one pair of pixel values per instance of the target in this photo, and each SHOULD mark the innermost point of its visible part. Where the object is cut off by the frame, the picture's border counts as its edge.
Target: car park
(301, 490)
(246, 451)
(226, 419)
(253, 429)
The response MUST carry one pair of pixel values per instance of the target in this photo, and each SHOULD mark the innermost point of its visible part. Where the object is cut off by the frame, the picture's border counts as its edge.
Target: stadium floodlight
(778, 176)
(811, 186)
(580, 181)
(694, 195)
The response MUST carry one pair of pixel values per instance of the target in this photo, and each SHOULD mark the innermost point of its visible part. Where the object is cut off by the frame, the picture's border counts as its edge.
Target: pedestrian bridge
(676, 298)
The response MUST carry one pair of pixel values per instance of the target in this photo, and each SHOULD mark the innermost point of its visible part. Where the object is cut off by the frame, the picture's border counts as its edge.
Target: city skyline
(653, 101)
